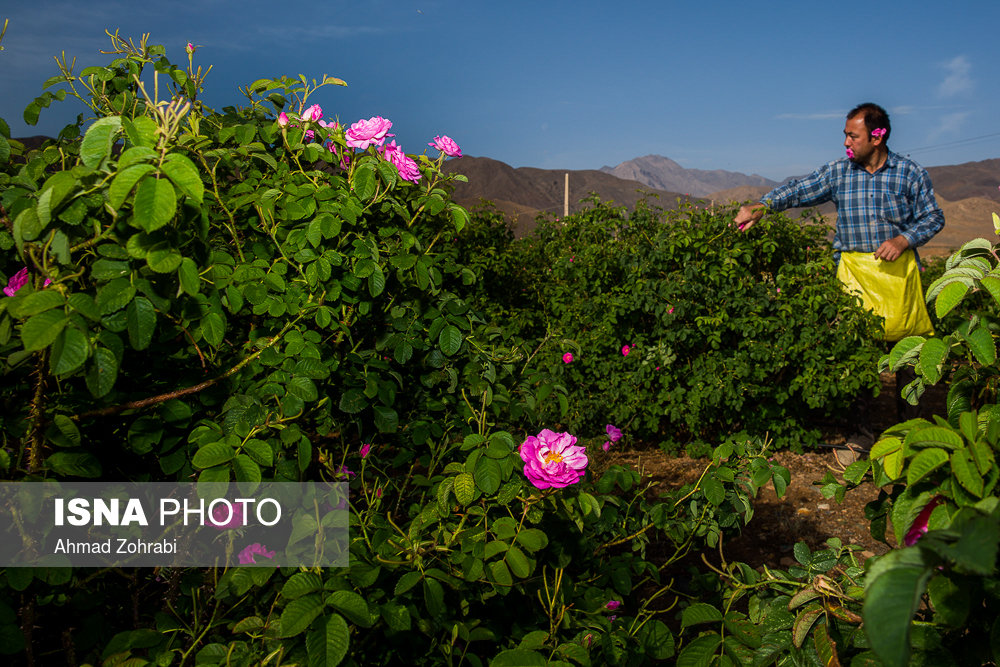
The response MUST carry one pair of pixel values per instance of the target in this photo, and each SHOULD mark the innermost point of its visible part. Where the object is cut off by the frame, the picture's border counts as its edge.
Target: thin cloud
(958, 79)
(950, 124)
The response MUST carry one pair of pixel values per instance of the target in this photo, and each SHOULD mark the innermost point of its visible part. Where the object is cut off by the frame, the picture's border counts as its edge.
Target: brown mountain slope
(524, 192)
(969, 179)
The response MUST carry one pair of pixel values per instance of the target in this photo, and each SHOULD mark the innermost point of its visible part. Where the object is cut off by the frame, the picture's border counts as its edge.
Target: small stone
(866, 554)
(823, 506)
(803, 510)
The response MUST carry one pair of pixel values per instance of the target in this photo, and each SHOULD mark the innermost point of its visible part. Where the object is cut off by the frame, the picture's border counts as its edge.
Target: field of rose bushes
(265, 293)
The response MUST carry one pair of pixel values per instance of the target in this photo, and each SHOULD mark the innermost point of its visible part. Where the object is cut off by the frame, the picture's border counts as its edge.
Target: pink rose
(256, 549)
(625, 349)
(221, 519)
(614, 433)
(878, 132)
(282, 119)
(671, 311)
(568, 358)
(332, 125)
(612, 605)
(553, 459)
(406, 166)
(850, 153)
(369, 132)
(606, 446)
(16, 282)
(365, 448)
(189, 48)
(447, 146)
(312, 114)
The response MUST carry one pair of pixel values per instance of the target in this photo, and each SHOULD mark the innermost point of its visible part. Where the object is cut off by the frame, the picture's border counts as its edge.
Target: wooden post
(566, 198)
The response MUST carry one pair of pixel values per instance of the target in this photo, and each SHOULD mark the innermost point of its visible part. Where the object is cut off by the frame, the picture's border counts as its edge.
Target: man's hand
(892, 249)
(748, 216)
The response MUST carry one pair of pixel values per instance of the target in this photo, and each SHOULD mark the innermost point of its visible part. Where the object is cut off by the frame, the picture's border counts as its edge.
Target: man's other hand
(892, 249)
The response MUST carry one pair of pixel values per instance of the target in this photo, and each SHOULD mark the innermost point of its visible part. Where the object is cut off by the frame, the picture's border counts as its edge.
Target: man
(885, 206)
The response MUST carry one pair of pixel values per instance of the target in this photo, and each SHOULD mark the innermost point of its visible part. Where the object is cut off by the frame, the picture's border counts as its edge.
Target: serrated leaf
(301, 583)
(182, 172)
(36, 302)
(353, 401)
(259, 451)
(924, 463)
(932, 357)
(42, 329)
(187, 275)
(699, 613)
(299, 613)
(364, 182)
(102, 372)
(124, 181)
(212, 454)
(69, 351)
(74, 464)
(487, 475)
(964, 469)
(213, 329)
(891, 600)
(450, 340)
(140, 317)
(983, 346)
(406, 582)
(327, 645)
(518, 563)
(155, 204)
(97, 142)
(465, 488)
(949, 297)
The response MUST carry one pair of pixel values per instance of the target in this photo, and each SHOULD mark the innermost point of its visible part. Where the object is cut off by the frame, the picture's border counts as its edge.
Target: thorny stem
(36, 415)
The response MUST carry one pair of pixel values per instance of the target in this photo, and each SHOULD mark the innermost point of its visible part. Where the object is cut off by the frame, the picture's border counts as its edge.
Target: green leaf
(301, 583)
(983, 346)
(951, 600)
(69, 351)
(124, 181)
(182, 172)
(97, 142)
(963, 467)
(699, 613)
(518, 657)
(934, 436)
(532, 539)
(803, 624)
(327, 645)
(932, 357)
(365, 181)
(700, 651)
(102, 372)
(41, 330)
(67, 427)
(213, 329)
(465, 488)
(949, 297)
(353, 401)
(488, 475)
(406, 582)
(187, 275)
(212, 454)
(992, 283)
(299, 613)
(36, 302)
(501, 573)
(74, 464)
(924, 463)
(247, 472)
(155, 204)
(892, 596)
(259, 451)
(140, 317)
(518, 563)
(450, 340)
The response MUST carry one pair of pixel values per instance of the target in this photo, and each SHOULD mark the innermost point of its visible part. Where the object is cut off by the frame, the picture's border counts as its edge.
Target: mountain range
(967, 193)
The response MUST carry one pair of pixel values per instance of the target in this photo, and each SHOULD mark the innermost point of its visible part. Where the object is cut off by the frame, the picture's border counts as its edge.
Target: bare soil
(802, 514)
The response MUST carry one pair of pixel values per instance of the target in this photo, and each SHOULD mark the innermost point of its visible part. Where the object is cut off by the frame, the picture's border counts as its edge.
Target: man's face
(857, 141)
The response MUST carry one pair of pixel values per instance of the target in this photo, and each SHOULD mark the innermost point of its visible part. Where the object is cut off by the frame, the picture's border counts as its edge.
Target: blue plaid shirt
(871, 208)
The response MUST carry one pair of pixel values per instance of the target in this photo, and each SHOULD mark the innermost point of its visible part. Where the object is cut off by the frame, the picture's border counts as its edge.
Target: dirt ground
(802, 514)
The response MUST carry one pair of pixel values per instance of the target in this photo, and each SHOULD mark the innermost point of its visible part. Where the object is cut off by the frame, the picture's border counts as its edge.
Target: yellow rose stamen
(553, 457)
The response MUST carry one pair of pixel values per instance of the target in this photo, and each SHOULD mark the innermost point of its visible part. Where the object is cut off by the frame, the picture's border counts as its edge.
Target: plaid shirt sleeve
(927, 218)
(816, 188)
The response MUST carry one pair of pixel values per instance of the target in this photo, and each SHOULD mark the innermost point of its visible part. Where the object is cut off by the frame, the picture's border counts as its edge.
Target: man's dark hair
(875, 117)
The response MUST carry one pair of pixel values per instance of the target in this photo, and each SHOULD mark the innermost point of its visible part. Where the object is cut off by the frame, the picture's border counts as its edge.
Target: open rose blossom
(406, 166)
(371, 132)
(553, 459)
(568, 358)
(256, 549)
(447, 146)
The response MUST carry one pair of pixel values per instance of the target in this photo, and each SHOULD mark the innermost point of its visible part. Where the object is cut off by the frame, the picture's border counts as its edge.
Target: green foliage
(725, 332)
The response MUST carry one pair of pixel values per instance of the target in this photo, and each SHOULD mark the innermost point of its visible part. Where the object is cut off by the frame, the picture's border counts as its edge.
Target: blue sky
(751, 87)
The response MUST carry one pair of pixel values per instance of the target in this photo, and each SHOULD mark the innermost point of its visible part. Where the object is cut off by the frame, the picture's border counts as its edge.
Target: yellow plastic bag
(890, 289)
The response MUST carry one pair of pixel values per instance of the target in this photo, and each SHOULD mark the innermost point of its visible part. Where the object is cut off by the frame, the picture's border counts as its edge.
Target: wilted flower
(369, 132)
(365, 448)
(447, 146)
(568, 358)
(312, 114)
(406, 166)
(614, 433)
(919, 527)
(606, 446)
(282, 119)
(553, 459)
(16, 282)
(246, 556)
(613, 605)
